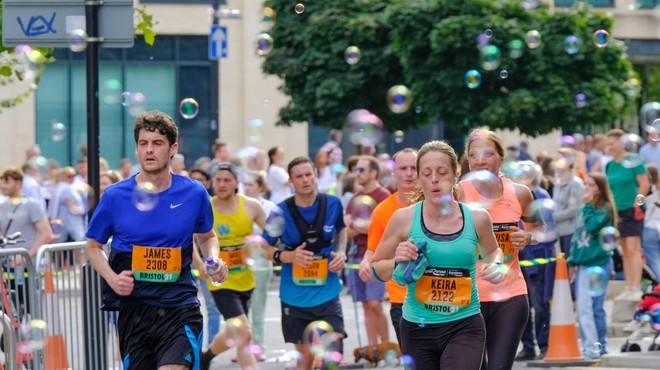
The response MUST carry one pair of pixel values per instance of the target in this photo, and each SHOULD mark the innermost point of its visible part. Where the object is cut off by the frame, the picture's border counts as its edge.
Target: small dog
(378, 353)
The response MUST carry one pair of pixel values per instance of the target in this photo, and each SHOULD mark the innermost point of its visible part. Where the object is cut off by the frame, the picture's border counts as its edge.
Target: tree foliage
(429, 45)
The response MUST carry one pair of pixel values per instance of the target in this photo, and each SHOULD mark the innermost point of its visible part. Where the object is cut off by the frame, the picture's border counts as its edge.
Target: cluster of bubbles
(580, 100)
(399, 136)
(363, 127)
(275, 223)
(145, 196)
(57, 131)
(490, 56)
(188, 108)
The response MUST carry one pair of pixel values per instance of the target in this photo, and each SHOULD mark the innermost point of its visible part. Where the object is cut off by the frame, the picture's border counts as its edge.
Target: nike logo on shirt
(172, 206)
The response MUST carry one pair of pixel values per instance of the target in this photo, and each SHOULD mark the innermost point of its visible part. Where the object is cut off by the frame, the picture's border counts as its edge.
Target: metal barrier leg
(10, 342)
(95, 321)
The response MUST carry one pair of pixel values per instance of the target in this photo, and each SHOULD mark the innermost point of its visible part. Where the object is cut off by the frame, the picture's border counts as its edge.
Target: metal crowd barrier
(61, 327)
(20, 307)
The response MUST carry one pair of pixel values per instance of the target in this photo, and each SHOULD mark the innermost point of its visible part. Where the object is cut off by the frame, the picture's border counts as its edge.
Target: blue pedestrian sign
(218, 42)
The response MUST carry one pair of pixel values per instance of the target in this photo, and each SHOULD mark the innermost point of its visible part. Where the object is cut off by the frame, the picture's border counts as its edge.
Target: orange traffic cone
(54, 342)
(562, 343)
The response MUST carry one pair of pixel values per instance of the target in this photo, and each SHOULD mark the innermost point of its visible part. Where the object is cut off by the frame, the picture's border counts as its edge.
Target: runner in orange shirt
(405, 176)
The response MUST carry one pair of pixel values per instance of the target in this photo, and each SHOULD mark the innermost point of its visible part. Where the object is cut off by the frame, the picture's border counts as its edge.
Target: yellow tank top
(231, 230)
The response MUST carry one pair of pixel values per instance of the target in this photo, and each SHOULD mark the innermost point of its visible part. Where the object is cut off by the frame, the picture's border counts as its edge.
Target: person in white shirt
(278, 178)
(650, 152)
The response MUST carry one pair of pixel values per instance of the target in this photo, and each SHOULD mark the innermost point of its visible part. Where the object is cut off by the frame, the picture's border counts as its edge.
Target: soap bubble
(601, 38)
(145, 196)
(352, 55)
(364, 128)
(572, 44)
(472, 79)
(264, 44)
(299, 8)
(188, 108)
(399, 99)
(399, 136)
(490, 57)
(609, 237)
(596, 275)
(234, 332)
(275, 223)
(77, 40)
(363, 207)
(533, 39)
(57, 131)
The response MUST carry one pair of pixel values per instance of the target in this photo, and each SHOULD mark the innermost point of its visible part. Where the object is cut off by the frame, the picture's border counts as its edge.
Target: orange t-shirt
(504, 211)
(379, 219)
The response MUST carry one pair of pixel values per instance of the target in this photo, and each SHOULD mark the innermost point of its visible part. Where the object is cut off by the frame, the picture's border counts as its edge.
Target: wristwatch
(277, 256)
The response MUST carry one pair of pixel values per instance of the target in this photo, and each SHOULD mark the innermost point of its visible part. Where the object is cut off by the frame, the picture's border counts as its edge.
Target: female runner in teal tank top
(442, 326)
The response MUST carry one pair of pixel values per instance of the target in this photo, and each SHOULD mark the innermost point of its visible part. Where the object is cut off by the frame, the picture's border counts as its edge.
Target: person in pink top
(505, 306)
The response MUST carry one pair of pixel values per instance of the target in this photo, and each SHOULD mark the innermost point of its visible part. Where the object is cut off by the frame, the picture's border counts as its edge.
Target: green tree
(308, 55)
(429, 45)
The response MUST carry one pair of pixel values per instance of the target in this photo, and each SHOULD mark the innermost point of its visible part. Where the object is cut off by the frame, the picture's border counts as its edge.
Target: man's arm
(340, 241)
(208, 244)
(121, 283)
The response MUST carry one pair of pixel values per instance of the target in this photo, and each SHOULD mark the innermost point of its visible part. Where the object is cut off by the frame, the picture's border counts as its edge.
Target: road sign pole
(94, 324)
(215, 76)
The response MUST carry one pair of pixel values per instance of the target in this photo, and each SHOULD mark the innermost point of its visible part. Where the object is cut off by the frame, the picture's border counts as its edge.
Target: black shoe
(525, 356)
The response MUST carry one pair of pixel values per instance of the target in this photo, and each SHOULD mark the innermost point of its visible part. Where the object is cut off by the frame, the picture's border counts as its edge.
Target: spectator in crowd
(108, 178)
(651, 232)
(628, 177)
(32, 183)
(597, 151)
(523, 153)
(592, 264)
(278, 178)
(204, 177)
(333, 147)
(125, 168)
(221, 154)
(327, 181)
(650, 152)
(567, 195)
(178, 165)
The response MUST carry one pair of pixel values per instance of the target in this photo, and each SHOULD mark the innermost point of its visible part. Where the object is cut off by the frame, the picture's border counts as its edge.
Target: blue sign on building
(218, 42)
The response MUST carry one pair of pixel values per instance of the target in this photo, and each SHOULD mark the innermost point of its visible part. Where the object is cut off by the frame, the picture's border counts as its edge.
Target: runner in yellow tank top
(505, 307)
(234, 216)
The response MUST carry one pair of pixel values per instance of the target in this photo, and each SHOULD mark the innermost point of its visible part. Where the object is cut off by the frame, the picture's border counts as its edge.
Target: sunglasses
(359, 169)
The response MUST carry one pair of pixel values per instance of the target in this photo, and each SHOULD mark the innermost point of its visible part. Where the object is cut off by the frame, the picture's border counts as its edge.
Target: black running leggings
(454, 345)
(505, 323)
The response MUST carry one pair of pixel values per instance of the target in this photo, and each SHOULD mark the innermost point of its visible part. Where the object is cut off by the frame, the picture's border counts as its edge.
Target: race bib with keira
(233, 257)
(503, 236)
(156, 264)
(315, 274)
(444, 290)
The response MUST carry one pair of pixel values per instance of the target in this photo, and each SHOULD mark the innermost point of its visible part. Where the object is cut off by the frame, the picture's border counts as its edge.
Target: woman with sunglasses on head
(505, 307)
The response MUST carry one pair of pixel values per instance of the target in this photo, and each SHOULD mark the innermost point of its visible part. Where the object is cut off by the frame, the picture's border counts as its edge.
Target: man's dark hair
(156, 121)
(14, 173)
(217, 145)
(202, 172)
(300, 160)
(373, 163)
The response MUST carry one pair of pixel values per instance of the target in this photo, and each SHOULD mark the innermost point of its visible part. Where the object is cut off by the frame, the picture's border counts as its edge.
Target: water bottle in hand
(211, 267)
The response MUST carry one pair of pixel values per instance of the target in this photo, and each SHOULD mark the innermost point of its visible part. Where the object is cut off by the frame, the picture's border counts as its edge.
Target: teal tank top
(448, 290)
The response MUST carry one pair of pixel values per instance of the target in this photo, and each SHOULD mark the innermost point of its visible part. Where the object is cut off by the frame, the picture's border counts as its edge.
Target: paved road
(279, 353)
